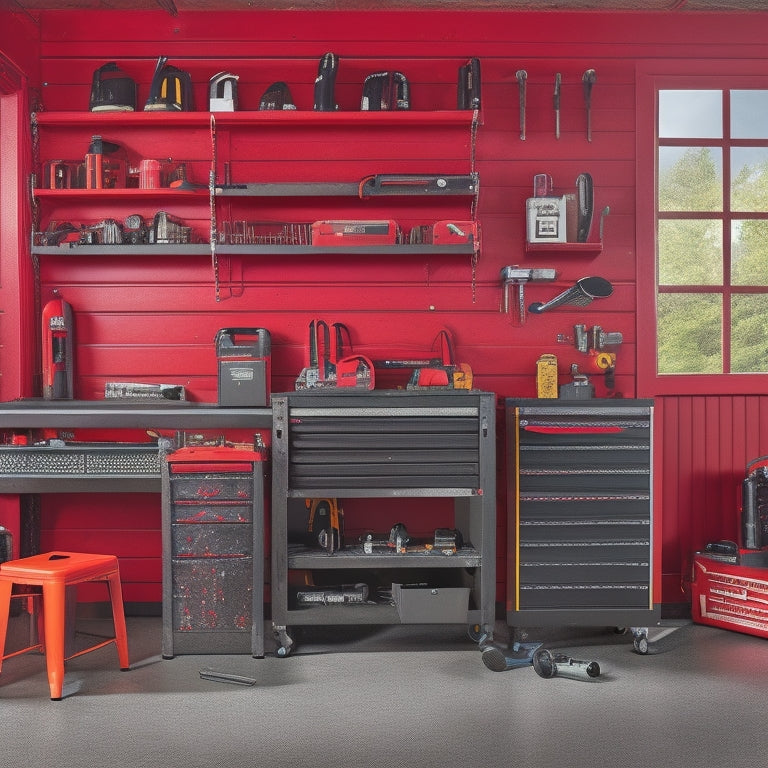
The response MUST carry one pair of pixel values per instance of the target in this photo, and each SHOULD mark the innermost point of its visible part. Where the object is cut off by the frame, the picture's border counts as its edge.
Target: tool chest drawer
(213, 551)
(581, 528)
(389, 442)
(207, 540)
(213, 488)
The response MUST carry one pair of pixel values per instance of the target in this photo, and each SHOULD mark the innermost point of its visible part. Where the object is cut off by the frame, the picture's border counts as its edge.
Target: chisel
(522, 76)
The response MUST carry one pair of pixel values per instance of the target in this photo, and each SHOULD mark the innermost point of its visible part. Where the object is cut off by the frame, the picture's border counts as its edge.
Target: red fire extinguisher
(57, 350)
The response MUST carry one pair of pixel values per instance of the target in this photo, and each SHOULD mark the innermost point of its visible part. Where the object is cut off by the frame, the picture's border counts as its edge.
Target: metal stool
(54, 572)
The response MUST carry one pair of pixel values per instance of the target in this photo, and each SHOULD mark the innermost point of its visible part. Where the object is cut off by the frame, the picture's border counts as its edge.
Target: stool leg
(5, 609)
(118, 618)
(54, 611)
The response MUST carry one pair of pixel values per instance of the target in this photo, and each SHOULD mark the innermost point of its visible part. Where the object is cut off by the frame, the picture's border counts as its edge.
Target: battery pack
(244, 356)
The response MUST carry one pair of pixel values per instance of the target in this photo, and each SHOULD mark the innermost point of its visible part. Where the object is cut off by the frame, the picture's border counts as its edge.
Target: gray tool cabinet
(213, 551)
(580, 513)
(399, 446)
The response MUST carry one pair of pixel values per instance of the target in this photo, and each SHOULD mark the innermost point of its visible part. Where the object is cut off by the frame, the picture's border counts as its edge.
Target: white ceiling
(184, 6)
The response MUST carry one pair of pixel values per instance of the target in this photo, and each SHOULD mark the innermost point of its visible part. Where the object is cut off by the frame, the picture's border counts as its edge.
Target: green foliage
(690, 253)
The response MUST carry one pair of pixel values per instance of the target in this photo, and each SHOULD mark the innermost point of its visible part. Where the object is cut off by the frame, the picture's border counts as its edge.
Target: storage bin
(431, 605)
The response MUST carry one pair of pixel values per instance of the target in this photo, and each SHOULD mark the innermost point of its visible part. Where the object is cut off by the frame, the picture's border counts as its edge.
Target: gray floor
(396, 696)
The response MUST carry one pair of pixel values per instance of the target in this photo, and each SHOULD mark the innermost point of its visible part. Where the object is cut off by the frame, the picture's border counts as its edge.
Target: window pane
(689, 337)
(691, 114)
(749, 178)
(749, 255)
(749, 114)
(749, 334)
(690, 179)
(690, 252)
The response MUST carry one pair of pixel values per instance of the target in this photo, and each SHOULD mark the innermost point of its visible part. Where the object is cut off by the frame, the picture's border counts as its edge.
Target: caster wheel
(640, 644)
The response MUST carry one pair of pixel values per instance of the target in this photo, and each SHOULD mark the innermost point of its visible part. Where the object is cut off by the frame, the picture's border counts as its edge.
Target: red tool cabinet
(729, 595)
(213, 551)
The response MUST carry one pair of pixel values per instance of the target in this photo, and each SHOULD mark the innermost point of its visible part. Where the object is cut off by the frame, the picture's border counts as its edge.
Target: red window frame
(683, 75)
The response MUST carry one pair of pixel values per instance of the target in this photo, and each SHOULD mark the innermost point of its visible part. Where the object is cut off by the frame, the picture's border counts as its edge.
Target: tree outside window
(712, 232)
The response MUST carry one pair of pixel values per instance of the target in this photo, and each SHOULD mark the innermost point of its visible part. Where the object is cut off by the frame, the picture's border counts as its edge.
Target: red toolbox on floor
(730, 595)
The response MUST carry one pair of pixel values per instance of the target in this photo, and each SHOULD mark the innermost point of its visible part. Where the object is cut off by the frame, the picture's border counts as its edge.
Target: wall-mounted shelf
(247, 119)
(584, 249)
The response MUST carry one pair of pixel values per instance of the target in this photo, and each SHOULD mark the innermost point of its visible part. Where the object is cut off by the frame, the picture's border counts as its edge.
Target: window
(711, 231)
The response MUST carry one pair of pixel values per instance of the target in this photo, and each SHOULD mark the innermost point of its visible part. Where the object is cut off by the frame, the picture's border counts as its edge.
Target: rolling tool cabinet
(213, 545)
(393, 445)
(580, 513)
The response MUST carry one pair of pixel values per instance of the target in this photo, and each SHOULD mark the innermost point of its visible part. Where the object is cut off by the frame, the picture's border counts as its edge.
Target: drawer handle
(572, 430)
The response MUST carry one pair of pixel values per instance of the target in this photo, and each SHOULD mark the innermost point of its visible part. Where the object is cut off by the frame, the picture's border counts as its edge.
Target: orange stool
(54, 572)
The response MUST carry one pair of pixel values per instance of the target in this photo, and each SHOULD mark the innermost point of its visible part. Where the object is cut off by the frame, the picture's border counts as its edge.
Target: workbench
(104, 467)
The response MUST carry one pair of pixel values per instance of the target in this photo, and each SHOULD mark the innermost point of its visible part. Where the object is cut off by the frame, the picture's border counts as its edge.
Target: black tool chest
(391, 445)
(213, 551)
(580, 513)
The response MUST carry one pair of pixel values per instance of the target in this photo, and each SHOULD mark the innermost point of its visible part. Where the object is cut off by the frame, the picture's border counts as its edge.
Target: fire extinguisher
(57, 350)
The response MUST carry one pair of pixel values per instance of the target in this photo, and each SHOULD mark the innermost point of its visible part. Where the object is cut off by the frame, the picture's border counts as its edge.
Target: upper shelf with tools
(256, 183)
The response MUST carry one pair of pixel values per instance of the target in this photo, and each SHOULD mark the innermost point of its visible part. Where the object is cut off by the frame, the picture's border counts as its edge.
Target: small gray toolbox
(244, 356)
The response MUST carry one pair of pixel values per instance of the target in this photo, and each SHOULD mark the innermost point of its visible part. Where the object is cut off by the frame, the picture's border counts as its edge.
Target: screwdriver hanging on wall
(522, 77)
(588, 79)
(556, 104)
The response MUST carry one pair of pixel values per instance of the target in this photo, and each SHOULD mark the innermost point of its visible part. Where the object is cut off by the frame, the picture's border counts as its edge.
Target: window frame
(651, 78)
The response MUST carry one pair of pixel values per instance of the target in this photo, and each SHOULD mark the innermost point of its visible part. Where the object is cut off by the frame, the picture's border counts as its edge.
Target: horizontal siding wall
(706, 444)
(148, 319)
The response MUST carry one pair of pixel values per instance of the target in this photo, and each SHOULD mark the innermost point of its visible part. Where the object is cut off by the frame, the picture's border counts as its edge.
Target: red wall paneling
(141, 317)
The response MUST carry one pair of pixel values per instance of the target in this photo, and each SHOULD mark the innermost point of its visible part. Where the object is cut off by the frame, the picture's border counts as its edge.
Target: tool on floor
(384, 91)
(585, 200)
(226, 677)
(519, 654)
(326, 523)
(556, 104)
(519, 276)
(547, 664)
(469, 85)
(325, 83)
(522, 76)
(580, 295)
(58, 350)
(328, 365)
(588, 79)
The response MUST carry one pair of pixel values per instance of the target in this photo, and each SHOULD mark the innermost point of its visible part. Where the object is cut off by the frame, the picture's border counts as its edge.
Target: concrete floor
(395, 696)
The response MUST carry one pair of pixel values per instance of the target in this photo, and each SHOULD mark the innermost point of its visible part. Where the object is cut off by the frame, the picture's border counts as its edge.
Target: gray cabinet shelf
(362, 445)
